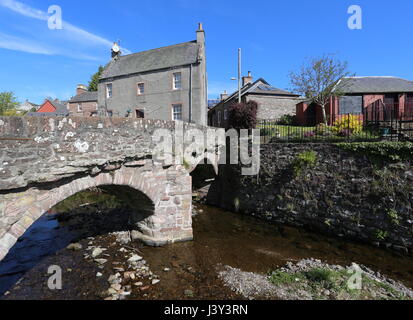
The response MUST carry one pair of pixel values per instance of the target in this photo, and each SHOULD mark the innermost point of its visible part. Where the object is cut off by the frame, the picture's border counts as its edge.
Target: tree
(318, 78)
(94, 80)
(243, 115)
(8, 103)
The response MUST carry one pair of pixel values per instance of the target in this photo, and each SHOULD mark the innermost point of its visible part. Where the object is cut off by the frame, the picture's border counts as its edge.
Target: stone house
(168, 83)
(356, 95)
(272, 102)
(84, 104)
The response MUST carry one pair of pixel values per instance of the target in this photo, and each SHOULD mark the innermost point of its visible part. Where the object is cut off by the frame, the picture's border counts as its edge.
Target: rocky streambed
(232, 257)
(311, 279)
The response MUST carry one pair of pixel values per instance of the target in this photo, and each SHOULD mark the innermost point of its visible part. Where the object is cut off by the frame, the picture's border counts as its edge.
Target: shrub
(381, 235)
(382, 151)
(325, 277)
(243, 115)
(304, 160)
(393, 216)
(280, 277)
(287, 120)
(323, 130)
(351, 123)
(270, 132)
(319, 275)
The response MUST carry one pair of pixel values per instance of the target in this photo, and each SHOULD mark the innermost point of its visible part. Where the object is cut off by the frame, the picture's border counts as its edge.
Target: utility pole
(239, 75)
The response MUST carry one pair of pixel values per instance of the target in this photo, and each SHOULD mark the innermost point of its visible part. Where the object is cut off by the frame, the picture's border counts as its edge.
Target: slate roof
(155, 59)
(260, 86)
(265, 88)
(85, 97)
(375, 85)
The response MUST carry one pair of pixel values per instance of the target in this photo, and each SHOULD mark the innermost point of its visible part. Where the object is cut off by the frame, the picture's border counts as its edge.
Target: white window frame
(109, 92)
(173, 111)
(175, 82)
(140, 93)
(225, 114)
(79, 107)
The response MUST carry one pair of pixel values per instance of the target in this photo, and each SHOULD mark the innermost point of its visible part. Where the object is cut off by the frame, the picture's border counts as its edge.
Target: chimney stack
(200, 35)
(247, 79)
(224, 96)
(81, 88)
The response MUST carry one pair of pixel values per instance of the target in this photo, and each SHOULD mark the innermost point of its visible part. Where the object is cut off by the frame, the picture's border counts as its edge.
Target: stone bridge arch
(44, 160)
(169, 189)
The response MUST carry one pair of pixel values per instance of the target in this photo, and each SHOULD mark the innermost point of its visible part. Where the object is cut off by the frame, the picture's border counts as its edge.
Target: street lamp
(239, 75)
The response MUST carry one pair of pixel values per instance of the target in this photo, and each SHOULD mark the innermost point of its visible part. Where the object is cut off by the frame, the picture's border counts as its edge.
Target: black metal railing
(346, 128)
(393, 119)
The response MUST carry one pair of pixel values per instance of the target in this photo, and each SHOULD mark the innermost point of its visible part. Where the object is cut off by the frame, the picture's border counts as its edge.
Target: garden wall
(326, 189)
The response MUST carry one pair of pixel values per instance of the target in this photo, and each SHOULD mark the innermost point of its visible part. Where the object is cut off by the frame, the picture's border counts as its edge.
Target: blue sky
(276, 37)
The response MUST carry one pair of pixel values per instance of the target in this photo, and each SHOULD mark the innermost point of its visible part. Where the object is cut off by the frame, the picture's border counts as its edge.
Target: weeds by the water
(323, 283)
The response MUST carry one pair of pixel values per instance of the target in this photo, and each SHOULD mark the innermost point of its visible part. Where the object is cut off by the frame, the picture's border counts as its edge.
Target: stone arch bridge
(45, 160)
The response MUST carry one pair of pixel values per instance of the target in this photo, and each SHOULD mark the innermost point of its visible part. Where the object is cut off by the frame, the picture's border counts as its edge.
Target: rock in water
(97, 252)
(123, 237)
(134, 258)
(101, 261)
(75, 246)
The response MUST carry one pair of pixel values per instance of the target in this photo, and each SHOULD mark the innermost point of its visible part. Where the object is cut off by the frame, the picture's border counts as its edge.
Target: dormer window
(141, 89)
(177, 81)
(109, 90)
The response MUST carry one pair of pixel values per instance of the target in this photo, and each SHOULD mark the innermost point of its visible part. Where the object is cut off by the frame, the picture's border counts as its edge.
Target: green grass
(317, 280)
(285, 131)
(298, 133)
(281, 277)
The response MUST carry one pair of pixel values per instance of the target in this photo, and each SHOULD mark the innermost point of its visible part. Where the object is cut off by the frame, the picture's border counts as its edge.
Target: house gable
(47, 107)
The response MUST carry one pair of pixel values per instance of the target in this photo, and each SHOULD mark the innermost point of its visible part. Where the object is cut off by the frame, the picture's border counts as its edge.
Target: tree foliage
(8, 103)
(94, 80)
(243, 115)
(317, 79)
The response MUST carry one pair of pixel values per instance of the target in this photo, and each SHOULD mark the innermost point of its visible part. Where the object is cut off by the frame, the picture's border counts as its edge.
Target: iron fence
(346, 128)
(392, 119)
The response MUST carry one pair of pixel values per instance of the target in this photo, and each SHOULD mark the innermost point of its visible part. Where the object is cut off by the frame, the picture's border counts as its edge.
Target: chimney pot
(81, 88)
(247, 79)
(224, 95)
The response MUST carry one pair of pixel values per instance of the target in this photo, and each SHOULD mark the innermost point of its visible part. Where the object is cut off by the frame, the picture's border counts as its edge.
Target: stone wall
(87, 109)
(343, 195)
(48, 149)
(274, 107)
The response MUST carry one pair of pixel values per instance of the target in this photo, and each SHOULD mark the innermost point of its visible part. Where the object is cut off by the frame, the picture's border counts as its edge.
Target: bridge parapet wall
(35, 149)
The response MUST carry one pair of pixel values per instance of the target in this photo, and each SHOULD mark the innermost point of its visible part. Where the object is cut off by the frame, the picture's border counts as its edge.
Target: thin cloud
(73, 33)
(18, 44)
